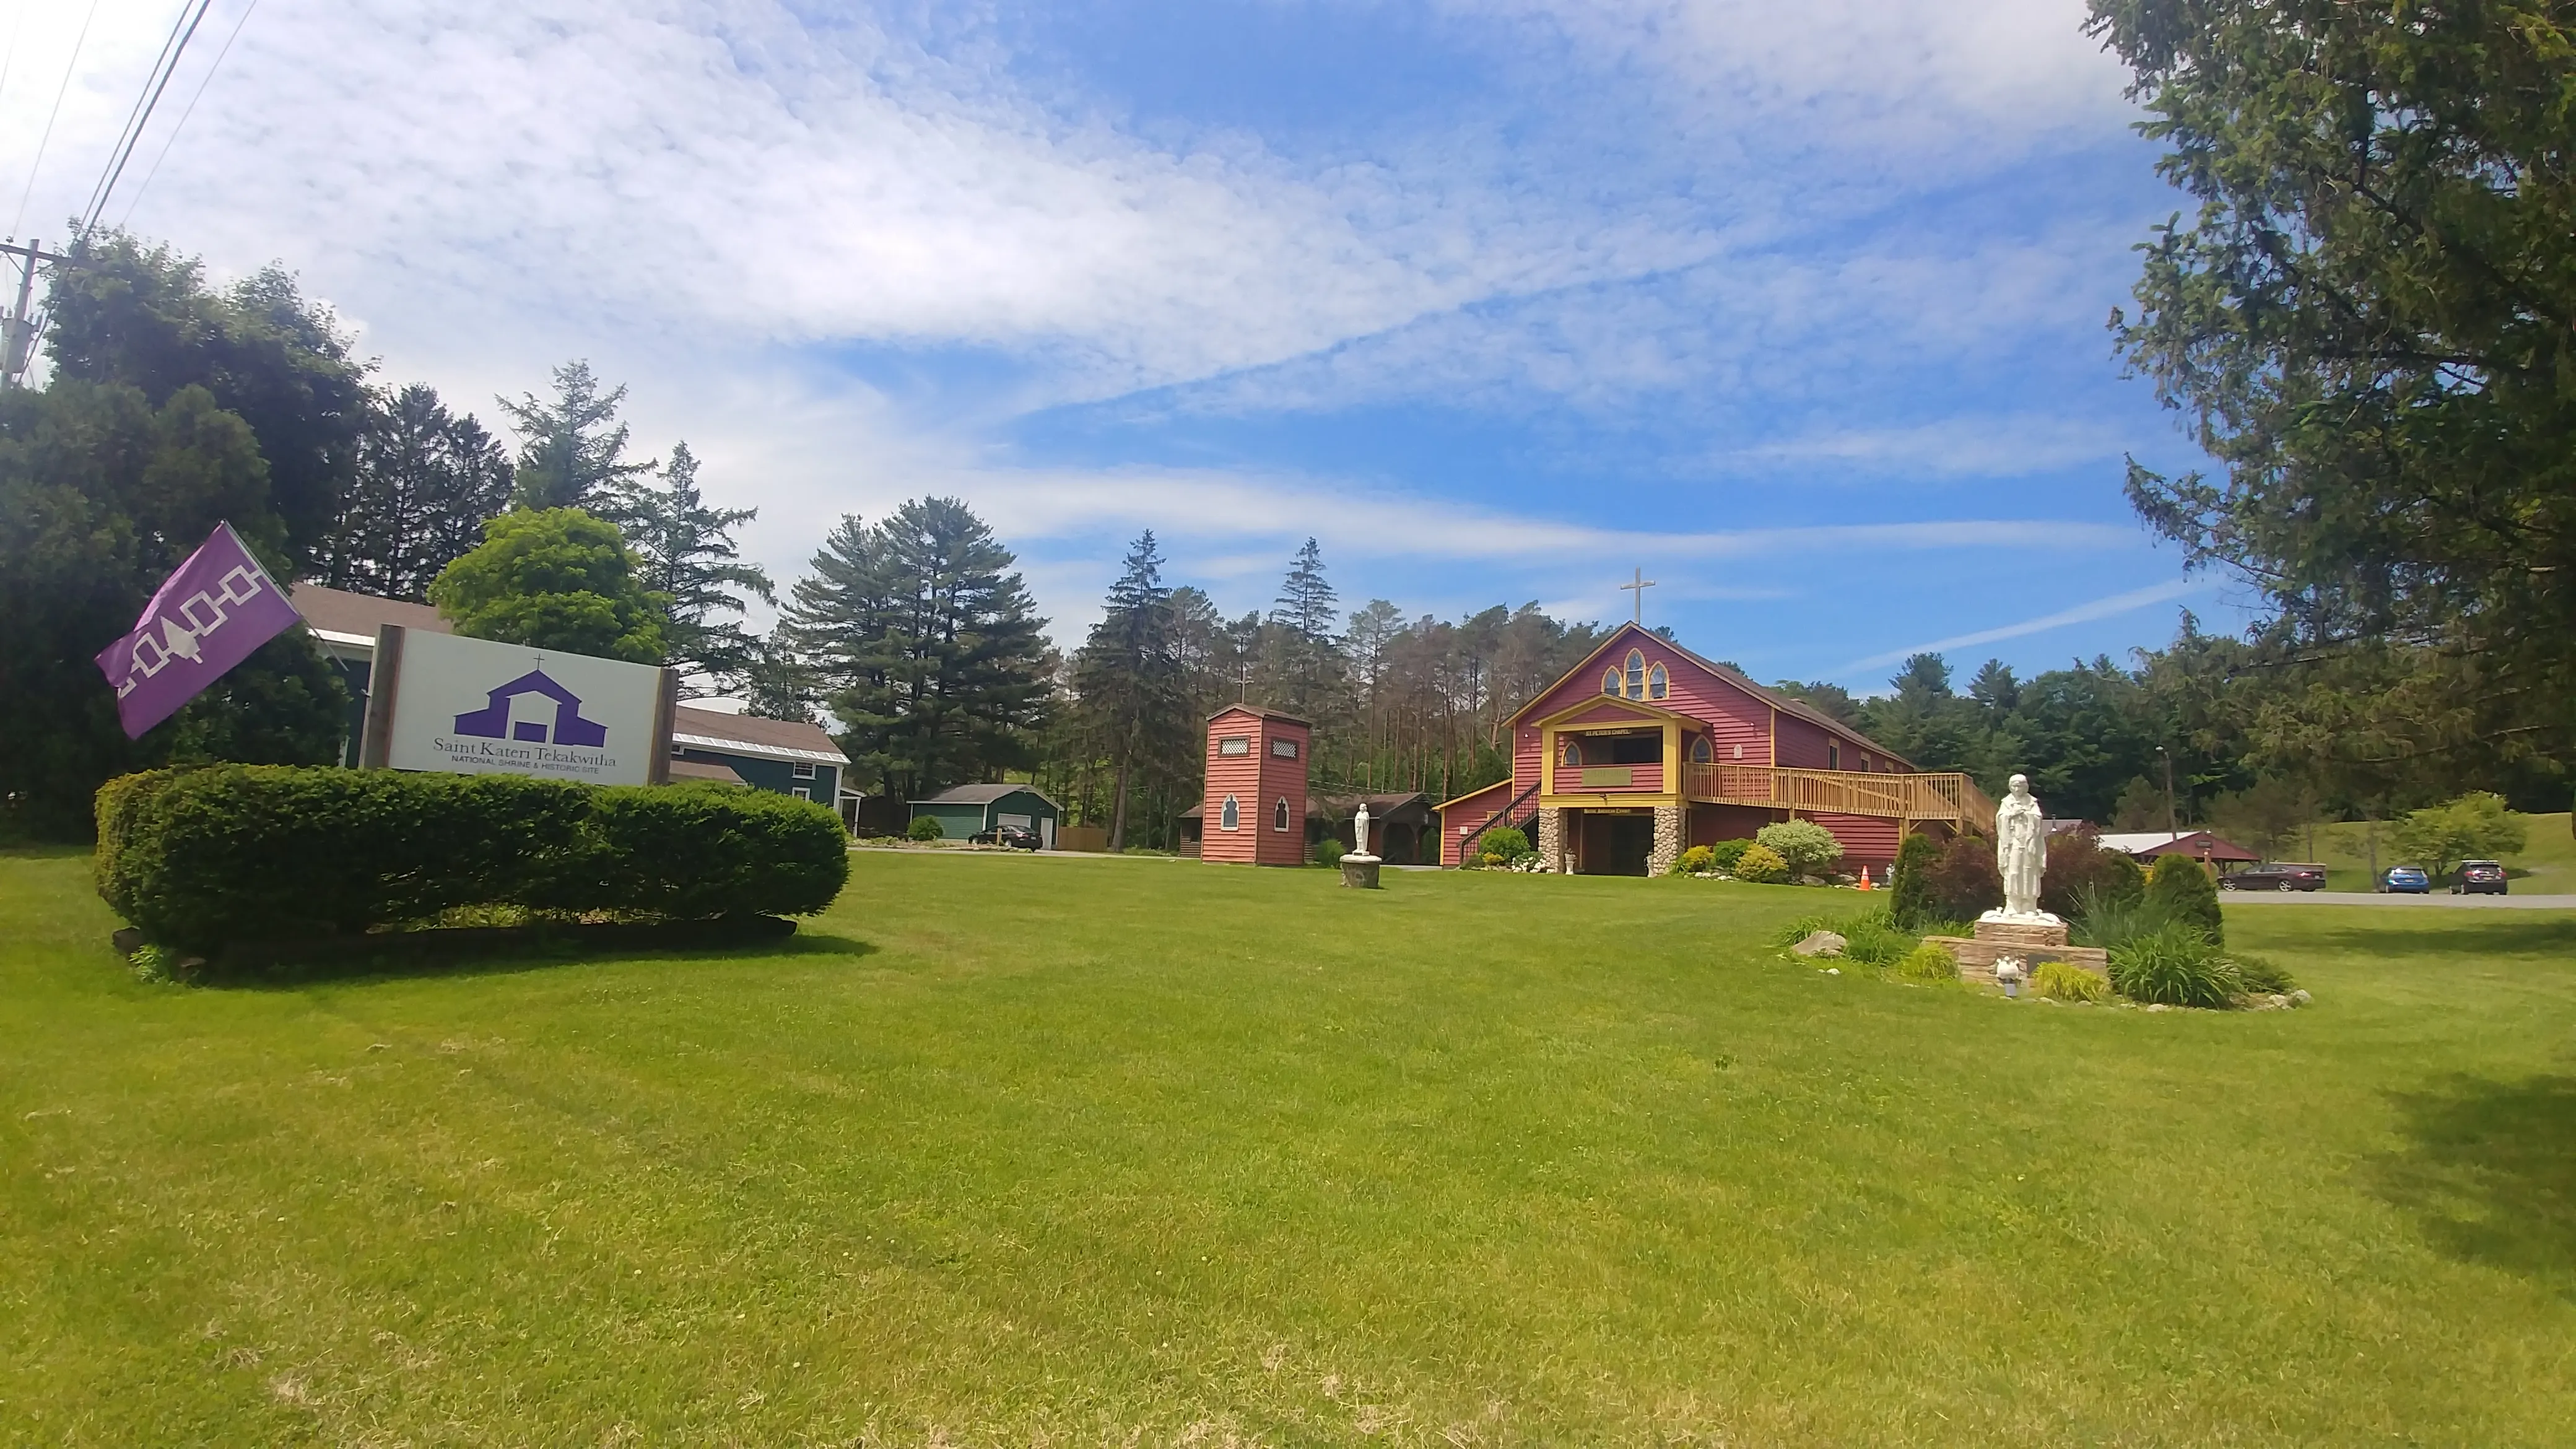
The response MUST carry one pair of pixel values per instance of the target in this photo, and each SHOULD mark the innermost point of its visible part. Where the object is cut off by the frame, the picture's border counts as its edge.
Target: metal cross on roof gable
(1639, 585)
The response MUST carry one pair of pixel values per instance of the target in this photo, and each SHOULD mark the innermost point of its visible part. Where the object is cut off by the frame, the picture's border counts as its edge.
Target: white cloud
(2080, 614)
(1982, 447)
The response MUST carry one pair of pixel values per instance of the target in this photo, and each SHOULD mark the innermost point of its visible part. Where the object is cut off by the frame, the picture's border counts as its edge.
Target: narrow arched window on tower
(1230, 815)
(1636, 675)
(1657, 682)
(1279, 814)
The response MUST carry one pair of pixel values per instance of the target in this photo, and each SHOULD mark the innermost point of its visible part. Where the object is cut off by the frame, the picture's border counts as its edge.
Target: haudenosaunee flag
(206, 618)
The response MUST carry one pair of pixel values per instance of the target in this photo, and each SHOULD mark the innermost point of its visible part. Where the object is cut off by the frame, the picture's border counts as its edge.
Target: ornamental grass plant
(2175, 965)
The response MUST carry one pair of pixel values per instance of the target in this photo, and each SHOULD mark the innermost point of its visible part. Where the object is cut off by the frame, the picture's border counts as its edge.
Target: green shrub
(2068, 983)
(1724, 854)
(1910, 898)
(2186, 894)
(2174, 966)
(1762, 866)
(200, 859)
(1329, 852)
(1504, 842)
(2263, 976)
(925, 827)
(1692, 861)
(1929, 964)
(1806, 847)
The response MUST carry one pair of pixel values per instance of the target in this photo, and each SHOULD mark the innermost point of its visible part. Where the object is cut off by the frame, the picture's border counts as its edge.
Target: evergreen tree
(927, 645)
(426, 482)
(689, 558)
(572, 450)
(1303, 650)
(2181, 888)
(1128, 679)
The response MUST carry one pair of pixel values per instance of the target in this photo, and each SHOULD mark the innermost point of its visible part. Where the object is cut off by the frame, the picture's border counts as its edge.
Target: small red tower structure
(1256, 787)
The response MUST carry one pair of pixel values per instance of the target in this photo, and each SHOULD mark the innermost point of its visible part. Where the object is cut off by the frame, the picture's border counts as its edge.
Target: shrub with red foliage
(1963, 881)
(2080, 865)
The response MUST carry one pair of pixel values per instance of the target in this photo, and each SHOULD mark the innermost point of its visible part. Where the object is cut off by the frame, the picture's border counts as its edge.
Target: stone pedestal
(1360, 872)
(2033, 942)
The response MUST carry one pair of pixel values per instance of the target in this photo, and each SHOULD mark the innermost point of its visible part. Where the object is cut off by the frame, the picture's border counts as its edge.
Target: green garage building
(973, 809)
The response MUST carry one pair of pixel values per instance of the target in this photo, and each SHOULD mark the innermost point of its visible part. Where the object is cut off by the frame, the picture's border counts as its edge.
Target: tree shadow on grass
(2460, 931)
(2489, 1173)
(509, 952)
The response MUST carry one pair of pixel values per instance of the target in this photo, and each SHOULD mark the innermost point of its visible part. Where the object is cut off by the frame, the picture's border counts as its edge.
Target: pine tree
(925, 646)
(1304, 651)
(1128, 679)
(426, 482)
(572, 451)
(689, 556)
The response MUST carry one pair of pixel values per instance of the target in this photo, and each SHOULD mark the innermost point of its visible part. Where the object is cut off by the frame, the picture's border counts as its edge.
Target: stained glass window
(1701, 754)
(1636, 675)
(1657, 682)
(1279, 814)
(1610, 682)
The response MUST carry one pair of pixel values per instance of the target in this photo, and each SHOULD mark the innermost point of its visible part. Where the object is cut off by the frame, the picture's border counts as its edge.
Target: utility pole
(2173, 832)
(18, 328)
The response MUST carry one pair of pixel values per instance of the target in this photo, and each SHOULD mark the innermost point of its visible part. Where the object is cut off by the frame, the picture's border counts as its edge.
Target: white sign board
(474, 707)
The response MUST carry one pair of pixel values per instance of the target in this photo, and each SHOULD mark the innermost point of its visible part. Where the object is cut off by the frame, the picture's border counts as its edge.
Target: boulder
(1820, 943)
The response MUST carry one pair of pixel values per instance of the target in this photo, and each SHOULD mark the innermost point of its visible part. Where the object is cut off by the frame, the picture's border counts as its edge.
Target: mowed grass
(1023, 1151)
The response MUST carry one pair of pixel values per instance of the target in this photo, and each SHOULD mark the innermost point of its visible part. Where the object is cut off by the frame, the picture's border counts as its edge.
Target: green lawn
(1015, 1151)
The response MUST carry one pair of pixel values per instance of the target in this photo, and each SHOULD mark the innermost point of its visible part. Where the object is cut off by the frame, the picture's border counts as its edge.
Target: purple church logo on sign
(492, 722)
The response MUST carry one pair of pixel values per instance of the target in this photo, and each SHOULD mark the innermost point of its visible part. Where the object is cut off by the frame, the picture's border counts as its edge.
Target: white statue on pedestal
(1359, 832)
(2021, 855)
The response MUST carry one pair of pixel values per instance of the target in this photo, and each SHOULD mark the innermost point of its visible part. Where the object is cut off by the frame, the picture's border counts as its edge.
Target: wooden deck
(1951, 798)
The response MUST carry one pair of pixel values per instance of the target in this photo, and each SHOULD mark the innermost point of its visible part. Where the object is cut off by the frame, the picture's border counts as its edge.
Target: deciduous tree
(554, 578)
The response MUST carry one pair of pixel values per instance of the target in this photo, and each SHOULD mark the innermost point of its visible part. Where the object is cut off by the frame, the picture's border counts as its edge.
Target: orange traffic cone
(1864, 879)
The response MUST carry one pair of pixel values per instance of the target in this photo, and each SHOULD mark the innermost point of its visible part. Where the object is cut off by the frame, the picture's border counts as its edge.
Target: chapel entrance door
(1616, 844)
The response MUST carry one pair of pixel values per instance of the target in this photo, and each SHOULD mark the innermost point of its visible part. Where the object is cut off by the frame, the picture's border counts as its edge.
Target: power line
(182, 124)
(72, 65)
(177, 21)
(107, 187)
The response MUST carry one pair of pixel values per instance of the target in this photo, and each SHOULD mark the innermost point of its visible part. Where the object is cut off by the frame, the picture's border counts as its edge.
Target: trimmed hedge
(200, 859)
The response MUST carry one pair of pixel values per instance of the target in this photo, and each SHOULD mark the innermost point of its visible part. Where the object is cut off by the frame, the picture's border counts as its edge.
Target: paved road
(2436, 901)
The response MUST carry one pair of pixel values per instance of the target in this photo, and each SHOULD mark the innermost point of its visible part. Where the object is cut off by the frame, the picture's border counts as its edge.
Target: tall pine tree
(572, 450)
(690, 558)
(1128, 679)
(928, 647)
(427, 481)
(1305, 651)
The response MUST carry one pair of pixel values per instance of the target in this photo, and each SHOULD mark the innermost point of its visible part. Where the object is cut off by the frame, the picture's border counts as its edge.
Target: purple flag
(206, 618)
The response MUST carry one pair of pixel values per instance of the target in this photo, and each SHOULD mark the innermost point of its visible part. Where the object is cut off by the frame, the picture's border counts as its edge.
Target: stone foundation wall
(1668, 839)
(1551, 838)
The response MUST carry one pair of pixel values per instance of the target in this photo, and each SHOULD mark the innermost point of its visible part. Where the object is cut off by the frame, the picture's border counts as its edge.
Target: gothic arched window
(1573, 752)
(1279, 814)
(1230, 815)
(1636, 675)
(1657, 682)
(1610, 682)
(1701, 754)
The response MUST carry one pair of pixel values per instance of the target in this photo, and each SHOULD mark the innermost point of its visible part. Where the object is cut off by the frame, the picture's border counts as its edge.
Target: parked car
(2405, 880)
(1017, 837)
(2277, 877)
(2479, 878)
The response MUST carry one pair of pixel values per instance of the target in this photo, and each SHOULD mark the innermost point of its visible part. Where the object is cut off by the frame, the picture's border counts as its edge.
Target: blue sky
(1799, 309)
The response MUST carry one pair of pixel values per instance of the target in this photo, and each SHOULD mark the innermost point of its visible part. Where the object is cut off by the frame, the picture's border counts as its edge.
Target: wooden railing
(1951, 797)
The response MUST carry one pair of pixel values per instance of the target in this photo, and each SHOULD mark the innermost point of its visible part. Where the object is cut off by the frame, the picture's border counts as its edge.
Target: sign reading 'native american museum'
(475, 707)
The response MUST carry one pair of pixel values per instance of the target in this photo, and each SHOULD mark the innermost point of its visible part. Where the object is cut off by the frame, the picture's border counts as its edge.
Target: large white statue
(1359, 830)
(2021, 852)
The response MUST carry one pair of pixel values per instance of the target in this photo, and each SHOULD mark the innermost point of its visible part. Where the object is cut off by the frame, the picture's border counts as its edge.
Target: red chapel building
(1255, 811)
(1645, 749)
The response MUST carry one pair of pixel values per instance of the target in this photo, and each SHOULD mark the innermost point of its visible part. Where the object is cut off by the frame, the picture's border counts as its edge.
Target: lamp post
(2173, 832)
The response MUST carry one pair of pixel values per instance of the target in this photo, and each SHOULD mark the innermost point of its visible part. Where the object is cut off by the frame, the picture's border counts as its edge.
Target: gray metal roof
(983, 795)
